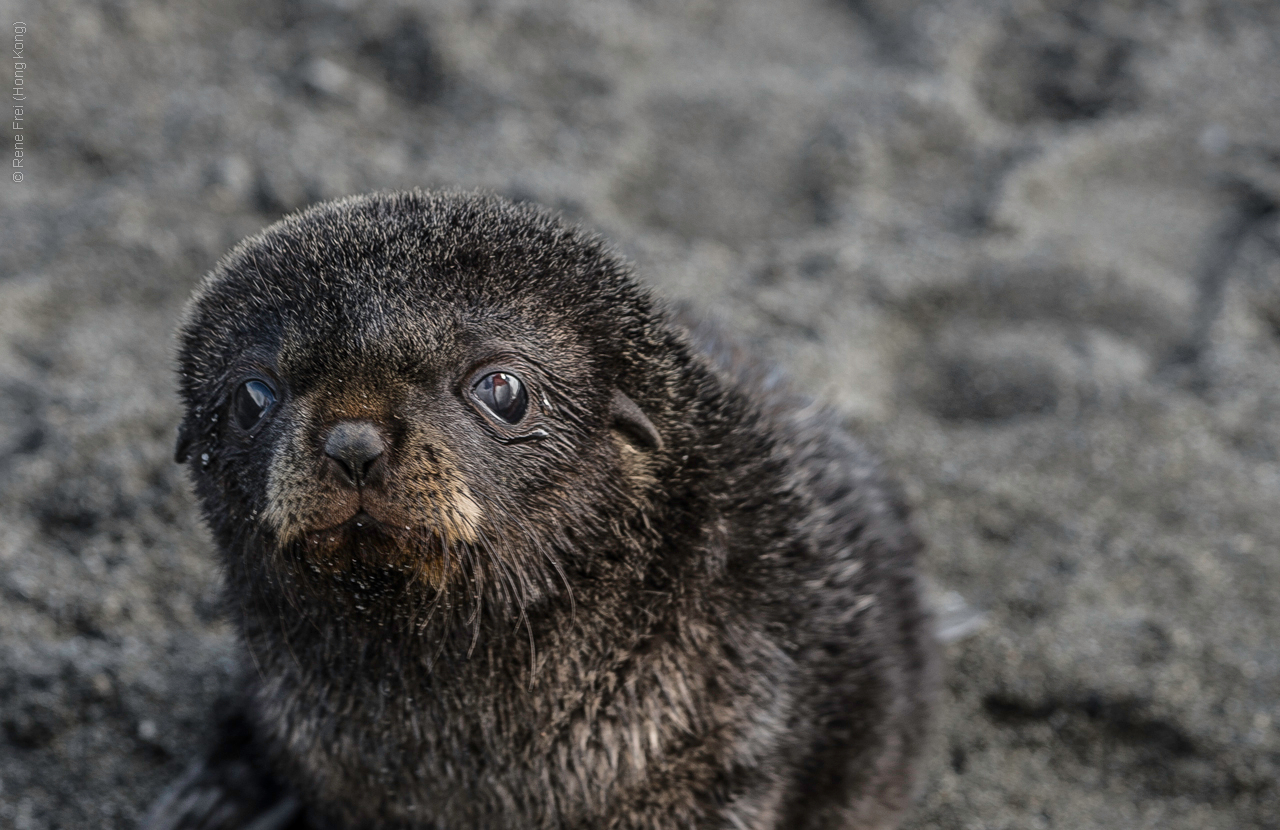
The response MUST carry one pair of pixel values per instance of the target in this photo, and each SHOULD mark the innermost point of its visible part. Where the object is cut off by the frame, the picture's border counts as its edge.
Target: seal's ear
(633, 423)
(183, 450)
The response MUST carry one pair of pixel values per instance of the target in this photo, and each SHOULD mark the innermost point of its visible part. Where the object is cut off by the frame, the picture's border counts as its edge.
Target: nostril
(355, 446)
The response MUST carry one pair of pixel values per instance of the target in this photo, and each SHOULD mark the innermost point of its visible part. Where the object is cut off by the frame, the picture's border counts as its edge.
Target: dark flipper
(228, 790)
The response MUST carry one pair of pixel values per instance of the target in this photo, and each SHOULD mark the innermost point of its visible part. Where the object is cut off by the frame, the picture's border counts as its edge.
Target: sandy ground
(1031, 249)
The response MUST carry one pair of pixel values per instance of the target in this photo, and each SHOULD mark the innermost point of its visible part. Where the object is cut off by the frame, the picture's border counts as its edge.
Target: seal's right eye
(254, 400)
(503, 394)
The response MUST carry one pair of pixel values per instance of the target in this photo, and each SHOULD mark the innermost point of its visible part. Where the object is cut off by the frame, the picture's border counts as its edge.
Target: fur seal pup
(509, 547)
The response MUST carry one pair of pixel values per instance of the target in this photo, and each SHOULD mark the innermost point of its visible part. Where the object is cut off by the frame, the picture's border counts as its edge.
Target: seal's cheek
(637, 467)
(300, 497)
(427, 489)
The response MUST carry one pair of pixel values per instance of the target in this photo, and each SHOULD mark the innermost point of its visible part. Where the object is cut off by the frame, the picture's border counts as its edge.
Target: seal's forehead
(402, 335)
(365, 331)
(389, 280)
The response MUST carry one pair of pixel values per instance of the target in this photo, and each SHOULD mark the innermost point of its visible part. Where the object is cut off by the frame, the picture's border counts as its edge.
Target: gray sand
(1030, 249)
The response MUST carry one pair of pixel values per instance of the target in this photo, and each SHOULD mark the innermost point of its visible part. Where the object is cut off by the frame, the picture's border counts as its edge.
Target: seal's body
(508, 549)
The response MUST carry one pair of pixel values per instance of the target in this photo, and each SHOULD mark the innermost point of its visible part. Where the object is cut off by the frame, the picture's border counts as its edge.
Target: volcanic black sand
(1031, 250)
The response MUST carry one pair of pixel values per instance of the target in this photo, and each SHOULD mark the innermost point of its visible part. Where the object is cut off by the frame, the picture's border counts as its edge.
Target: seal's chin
(362, 521)
(364, 537)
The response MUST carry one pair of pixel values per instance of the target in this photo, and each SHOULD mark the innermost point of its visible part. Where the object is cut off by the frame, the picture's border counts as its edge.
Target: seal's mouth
(363, 521)
(370, 545)
(422, 526)
(362, 524)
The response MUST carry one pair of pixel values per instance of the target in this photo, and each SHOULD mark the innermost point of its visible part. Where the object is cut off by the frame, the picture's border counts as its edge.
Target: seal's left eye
(503, 394)
(253, 400)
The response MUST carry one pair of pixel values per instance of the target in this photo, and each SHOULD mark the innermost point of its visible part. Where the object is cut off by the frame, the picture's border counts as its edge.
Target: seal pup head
(394, 396)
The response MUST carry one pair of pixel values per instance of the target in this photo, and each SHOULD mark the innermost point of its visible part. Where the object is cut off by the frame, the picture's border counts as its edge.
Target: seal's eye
(253, 400)
(503, 394)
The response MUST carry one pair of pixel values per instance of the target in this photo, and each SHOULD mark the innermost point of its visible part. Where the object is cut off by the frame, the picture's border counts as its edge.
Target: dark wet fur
(702, 611)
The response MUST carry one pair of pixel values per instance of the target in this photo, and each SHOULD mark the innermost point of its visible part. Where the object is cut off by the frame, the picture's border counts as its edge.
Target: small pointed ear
(183, 449)
(632, 422)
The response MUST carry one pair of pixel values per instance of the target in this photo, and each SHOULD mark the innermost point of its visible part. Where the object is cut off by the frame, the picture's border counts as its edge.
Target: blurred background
(1030, 250)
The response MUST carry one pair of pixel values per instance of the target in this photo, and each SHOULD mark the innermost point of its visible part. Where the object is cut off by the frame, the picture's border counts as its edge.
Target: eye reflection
(253, 400)
(504, 395)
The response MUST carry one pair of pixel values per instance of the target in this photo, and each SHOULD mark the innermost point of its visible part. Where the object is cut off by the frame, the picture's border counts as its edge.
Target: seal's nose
(355, 448)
